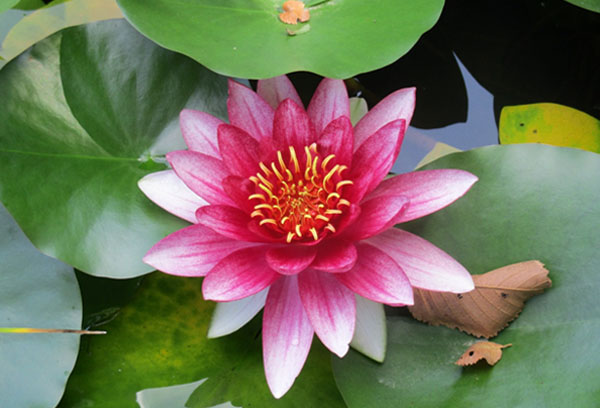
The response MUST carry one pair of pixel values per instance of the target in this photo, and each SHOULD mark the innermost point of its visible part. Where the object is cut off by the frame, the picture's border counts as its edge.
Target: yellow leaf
(549, 123)
(491, 352)
(498, 298)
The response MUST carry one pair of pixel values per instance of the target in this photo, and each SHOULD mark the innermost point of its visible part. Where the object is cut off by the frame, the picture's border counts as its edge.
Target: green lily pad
(86, 114)
(531, 202)
(36, 26)
(35, 292)
(159, 340)
(246, 38)
(7, 4)
(592, 5)
(549, 123)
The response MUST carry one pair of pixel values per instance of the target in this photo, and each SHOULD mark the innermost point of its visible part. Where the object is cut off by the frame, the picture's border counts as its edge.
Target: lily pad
(36, 26)
(36, 291)
(86, 113)
(591, 5)
(246, 38)
(159, 340)
(531, 202)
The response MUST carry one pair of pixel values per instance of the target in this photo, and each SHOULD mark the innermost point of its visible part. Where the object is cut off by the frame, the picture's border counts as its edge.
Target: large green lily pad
(246, 38)
(531, 202)
(35, 292)
(159, 340)
(85, 114)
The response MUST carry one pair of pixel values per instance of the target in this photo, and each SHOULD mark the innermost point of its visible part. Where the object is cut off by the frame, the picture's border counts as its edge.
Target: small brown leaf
(491, 352)
(293, 10)
(498, 298)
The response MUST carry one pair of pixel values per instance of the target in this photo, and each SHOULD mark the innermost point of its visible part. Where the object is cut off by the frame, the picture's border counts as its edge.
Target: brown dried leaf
(491, 352)
(293, 11)
(498, 298)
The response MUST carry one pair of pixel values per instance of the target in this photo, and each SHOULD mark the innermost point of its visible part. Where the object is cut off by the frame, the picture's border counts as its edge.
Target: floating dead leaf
(491, 352)
(293, 11)
(498, 298)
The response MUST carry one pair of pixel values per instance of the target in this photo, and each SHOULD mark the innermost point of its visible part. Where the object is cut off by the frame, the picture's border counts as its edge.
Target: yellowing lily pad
(549, 123)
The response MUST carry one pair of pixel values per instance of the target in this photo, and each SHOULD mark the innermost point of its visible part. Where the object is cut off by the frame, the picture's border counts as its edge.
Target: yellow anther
(265, 181)
(289, 174)
(328, 177)
(257, 213)
(342, 168)
(294, 159)
(332, 195)
(343, 201)
(259, 196)
(266, 190)
(277, 173)
(313, 231)
(307, 216)
(326, 161)
(268, 221)
(343, 183)
(314, 167)
(289, 237)
(308, 162)
(263, 205)
(284, 220)
(331, 211)
(298, 232)
(265, 169)
(322, 218)
(330, 228)
(254, 180)
(281, 162)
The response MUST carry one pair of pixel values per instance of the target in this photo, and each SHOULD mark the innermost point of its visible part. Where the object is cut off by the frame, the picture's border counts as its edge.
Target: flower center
(298, 202)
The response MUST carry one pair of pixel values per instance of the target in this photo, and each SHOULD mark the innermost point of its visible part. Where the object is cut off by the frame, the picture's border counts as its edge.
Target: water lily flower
(292, 211)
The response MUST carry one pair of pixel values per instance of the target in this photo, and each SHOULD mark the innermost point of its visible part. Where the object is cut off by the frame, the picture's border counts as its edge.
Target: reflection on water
(480, 129)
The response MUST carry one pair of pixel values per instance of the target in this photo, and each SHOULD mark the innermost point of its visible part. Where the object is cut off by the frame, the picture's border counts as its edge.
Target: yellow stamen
(268, 221)
(265, 169)
(313, 231)
(330, 228)
(326, 161)
(322, 218)
(294, 159)
(328, 177)
(298, 232)
(257, 213)
(343, 183)
(265, 181)
(258, 196)
(289, 237)
(332, 211)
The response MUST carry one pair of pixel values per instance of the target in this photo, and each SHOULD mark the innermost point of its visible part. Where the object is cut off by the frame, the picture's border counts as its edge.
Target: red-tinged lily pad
(85, 114)
(247, 39)
(38, 292)
(531, 202)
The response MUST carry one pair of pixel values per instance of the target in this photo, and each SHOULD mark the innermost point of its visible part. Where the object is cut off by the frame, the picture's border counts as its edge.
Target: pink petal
(374, 159)
(427, 190)
(291, 127)
(250, 112)
(337, 139)
(240, 274)
(199, 131)
(228, 221)
(398, 105)
(167, 191)
(290, 259)
(349, 217)
(427, 266)
(330, 307)
(329, 102)
(377, 277)
(240, 151)
(239, 189)
(287, 335)
(377, 215)
(192, 251)
(275, 90)
(202, 174)
(335, 255)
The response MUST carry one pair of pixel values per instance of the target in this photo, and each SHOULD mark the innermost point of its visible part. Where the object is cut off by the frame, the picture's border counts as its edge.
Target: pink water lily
(291, 211)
